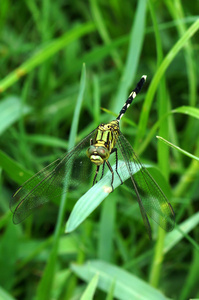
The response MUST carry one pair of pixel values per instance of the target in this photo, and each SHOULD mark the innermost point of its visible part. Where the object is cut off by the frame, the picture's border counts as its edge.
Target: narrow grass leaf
(134, 51)
(107, 230)
(178, 148)
(78, 106)
(124, 119)
(96, 55)
(158, 75)
(96, 100)
(4, 295)
(44, 289)
(176, 9)
(61, 277)
(110, 294)
(127, 285)
(14, 170)
(173, 238)
(101, 25)
(187, 110)
(45, 53)
(90, 290)
(191, 279)
(47, 140)
(8, 257)
(10, 111)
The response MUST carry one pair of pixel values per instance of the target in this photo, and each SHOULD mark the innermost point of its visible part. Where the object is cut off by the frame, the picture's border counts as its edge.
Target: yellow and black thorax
(104, 142)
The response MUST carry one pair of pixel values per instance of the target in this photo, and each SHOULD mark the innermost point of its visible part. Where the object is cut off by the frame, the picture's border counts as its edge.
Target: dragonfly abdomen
(132, 96)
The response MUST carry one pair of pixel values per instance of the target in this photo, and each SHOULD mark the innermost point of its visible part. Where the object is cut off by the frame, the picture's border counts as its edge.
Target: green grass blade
(110, 293)
(178, 148)
(75, 122)
(99, 20)
(127, 285)
(189, 176)
(97, 54)
(44, 289)
(158, 75)
(47, 140)
(10, 111)
(124, 119)
(163, 152)
(90, 290)
(107, 229)
(14, 170)
(191, 279)
(134, 51)
(45, 53)
(176, 10)
(187, 110)
(173, 238)
(43, 47)
(4, 295)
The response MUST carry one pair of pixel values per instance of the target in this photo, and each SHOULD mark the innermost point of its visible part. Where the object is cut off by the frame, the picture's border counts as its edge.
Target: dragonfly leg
(91, 142)
(96, 172)
(102, 170)
(110, 168)
(116, 158)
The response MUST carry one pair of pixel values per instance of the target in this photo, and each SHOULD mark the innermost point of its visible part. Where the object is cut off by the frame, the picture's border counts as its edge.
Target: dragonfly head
(98, 154)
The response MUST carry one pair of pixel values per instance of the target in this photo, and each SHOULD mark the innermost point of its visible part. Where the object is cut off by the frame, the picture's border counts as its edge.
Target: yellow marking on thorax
(107, 135)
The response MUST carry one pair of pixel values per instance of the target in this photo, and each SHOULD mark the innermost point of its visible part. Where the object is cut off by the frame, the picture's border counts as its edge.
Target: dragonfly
(92, 158)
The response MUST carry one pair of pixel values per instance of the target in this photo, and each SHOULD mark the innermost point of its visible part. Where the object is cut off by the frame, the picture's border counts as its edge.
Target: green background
(62, 63)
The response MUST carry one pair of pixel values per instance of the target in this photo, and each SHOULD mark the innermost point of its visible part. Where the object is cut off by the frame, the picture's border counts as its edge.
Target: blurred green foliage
(43, 45)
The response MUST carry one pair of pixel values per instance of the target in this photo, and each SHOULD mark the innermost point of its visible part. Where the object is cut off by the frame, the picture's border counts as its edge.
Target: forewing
(150, 197)
(47, 184)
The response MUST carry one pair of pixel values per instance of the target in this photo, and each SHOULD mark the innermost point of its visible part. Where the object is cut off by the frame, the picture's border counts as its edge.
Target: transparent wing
(151, 199)
(49, 182)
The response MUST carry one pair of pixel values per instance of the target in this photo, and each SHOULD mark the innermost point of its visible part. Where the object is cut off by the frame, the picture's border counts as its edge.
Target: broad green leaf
(90, 200)
(127, 285)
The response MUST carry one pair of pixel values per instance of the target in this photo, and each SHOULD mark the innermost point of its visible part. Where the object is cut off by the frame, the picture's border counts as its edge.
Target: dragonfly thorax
(104, 142)
(98, 154)
(111, 126)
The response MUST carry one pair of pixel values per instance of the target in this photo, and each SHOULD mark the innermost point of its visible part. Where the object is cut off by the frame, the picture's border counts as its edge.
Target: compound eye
(103, 152)
(90, 150)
